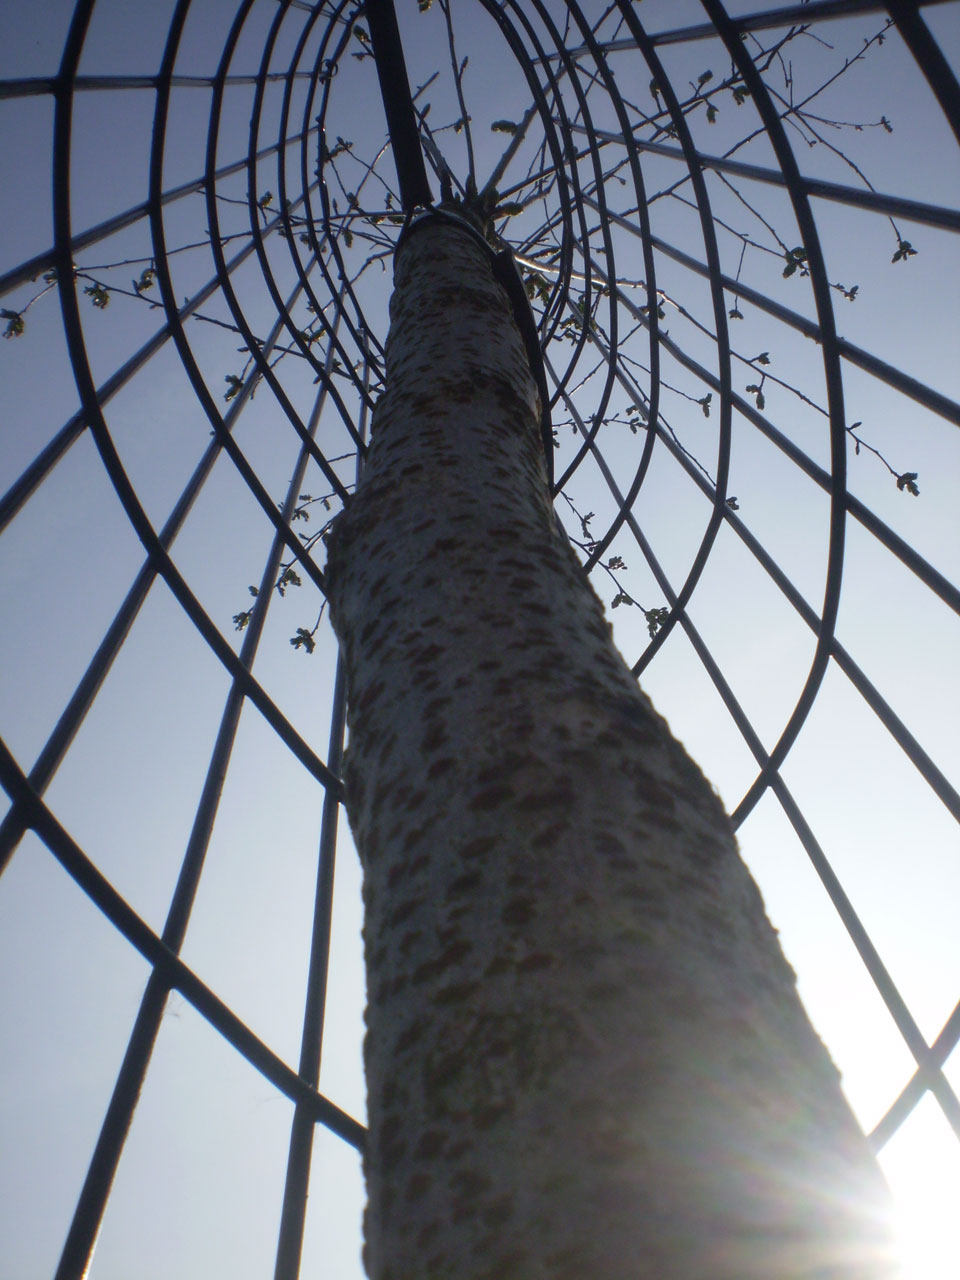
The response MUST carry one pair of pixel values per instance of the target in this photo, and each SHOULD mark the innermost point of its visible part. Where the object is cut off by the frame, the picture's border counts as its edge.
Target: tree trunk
(585, 1055)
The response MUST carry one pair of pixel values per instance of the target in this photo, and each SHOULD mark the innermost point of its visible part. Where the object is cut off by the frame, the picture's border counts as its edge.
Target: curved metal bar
(653, 396)
(832, 374)
(93, 412)
(708, 231)
(930, 59)
(34, 86)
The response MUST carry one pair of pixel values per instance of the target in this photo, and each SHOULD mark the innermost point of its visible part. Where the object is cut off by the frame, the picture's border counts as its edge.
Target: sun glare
(922, 1164)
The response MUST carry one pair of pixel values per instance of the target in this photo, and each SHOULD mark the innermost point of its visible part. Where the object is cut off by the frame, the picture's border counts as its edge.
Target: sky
(200, 1183)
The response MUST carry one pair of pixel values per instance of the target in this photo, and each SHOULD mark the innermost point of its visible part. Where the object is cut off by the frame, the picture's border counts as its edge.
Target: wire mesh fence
(735, 234)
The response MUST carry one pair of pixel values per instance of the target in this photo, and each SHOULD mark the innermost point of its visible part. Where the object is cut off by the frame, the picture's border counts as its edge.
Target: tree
(585, 1051)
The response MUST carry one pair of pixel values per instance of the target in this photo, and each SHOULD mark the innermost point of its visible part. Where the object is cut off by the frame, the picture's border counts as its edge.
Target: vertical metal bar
(929, 57)
(398, 104)
(293, 1214)
(302, 1130)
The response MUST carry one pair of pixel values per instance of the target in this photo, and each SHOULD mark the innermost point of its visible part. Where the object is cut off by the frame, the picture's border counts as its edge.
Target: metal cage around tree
(733, 241)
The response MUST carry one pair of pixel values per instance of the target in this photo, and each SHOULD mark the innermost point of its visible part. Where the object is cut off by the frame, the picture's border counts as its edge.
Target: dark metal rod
(31, 87)
(918, 1083)
(933, 215)
(303, 1128)
(790, 15)
(929, 57)
(398, 104)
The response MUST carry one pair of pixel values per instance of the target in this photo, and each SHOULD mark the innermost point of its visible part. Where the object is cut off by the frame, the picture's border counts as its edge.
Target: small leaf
(656, 618)
(703, 78)
(740, 93)
(509, 209)
(905, 250)
(240, 620)
(704, 403)
(504, 126)
(147, 279)
(15, 324)
(98, 294)
(735, 313)
(733, 504)
(711, 113)
(851, 293)
(537, 287)
(763, 357)
(757, 391)
(265, 200)
(254, 591)
(303, 640)
(794, 258)
(908, 483)
(234, 385)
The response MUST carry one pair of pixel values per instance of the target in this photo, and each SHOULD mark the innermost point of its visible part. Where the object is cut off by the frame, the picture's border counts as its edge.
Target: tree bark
(585, 1054)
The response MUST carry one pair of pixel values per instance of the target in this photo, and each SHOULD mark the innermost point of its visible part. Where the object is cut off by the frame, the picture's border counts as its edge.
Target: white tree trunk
(585, 1053)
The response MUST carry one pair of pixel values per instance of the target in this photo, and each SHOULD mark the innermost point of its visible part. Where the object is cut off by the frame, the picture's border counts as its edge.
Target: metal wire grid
(560, 75)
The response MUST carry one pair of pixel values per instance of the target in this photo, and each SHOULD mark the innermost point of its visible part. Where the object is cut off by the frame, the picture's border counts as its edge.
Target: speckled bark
(585, 1054)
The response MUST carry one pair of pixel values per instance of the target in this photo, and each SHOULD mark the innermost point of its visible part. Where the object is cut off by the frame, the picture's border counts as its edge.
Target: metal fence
(203, 198)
